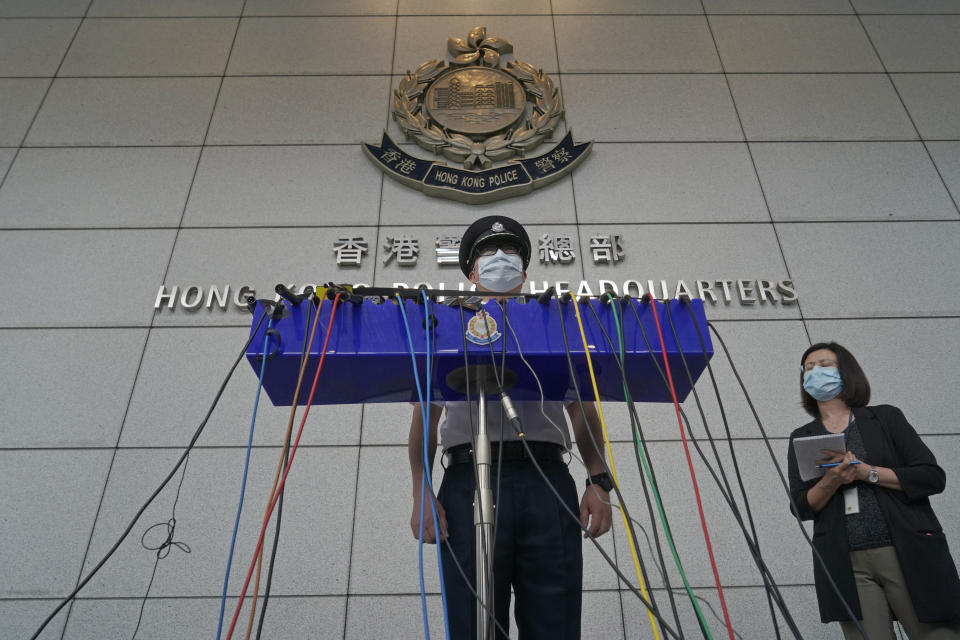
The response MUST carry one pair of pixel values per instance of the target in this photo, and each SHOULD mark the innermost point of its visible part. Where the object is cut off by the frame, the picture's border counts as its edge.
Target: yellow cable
(613, 469)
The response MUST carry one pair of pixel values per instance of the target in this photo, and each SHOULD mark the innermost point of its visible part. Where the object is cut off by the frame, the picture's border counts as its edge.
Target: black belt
(512, 450)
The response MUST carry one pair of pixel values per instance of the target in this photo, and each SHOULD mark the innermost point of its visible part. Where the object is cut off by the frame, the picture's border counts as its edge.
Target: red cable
(293, 452)
(693, 475)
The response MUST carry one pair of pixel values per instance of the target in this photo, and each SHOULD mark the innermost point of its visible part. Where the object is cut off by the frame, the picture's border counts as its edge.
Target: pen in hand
(830, 465)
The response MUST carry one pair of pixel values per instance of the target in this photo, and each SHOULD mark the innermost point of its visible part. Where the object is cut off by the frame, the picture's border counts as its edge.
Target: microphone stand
(482, 381)
(483, 512)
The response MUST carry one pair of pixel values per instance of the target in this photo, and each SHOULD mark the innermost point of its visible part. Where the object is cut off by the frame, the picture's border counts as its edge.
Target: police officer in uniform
(537, 551)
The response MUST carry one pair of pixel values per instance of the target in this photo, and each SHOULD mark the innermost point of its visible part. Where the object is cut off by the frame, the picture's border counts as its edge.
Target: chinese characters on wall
(405, 250)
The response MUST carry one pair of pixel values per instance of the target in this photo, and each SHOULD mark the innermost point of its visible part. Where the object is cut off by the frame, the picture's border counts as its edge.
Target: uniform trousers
(883, 591)
(537, 553)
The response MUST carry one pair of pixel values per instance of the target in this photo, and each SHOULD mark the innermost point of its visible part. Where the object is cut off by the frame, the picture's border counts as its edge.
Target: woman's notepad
(808, 452)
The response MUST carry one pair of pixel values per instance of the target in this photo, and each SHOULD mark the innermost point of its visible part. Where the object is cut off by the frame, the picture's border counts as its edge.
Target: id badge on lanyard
(851, 498)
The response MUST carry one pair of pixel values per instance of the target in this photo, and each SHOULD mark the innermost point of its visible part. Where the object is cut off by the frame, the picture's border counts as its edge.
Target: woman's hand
(844, 472)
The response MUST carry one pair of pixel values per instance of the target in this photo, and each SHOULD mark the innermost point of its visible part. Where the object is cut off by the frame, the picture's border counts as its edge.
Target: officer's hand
(595, 512)
(429, 534)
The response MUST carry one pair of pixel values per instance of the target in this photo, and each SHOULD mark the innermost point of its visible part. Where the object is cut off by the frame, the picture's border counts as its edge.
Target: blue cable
(426, 461)
(423, 483)
(423, 486)
(243, 485)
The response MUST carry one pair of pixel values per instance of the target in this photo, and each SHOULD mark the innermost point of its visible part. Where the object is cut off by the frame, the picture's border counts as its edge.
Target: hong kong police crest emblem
(486, 116)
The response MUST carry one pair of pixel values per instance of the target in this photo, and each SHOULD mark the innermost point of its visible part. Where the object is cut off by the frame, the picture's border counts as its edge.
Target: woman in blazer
(873, 524)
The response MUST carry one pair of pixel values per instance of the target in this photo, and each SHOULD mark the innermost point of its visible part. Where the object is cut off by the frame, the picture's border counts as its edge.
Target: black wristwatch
(602, 480)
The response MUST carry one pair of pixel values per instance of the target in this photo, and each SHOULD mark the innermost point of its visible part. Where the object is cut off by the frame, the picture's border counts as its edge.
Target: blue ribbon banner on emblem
(514, 178)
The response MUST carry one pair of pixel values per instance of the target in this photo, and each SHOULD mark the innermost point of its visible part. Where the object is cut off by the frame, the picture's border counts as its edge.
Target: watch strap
(602, 480)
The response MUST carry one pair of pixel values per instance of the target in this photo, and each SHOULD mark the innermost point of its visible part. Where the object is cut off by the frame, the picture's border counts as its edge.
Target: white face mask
(500, 272)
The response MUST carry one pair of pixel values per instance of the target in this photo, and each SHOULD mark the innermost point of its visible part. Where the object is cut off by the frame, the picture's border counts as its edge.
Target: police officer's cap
(492, 228)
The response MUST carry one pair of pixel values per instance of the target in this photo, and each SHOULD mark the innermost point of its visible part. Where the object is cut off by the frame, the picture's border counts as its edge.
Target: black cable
(632, 408)
(136, 517)
(786, 487)
(758, 560)
(753, 543)
(652, 606)
(733, 454)
(635, 422)
(163, 549)
(635, 417)
(703, 601)
(716, 453)
(286, 455)
(663, 623)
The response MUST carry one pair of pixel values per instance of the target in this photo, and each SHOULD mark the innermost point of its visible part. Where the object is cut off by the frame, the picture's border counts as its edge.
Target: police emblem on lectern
(487, 117)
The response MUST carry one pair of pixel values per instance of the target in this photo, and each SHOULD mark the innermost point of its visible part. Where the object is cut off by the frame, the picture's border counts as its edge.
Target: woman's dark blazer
(918, 538)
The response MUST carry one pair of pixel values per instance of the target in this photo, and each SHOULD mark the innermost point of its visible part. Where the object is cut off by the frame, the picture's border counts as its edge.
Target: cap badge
(498, 227)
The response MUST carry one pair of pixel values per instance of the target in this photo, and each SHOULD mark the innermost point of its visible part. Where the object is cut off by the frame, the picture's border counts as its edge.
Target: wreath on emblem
(480, 51)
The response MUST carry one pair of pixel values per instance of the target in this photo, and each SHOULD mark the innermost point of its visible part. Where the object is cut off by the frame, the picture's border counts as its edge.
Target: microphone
(511, 412)
(546, 296)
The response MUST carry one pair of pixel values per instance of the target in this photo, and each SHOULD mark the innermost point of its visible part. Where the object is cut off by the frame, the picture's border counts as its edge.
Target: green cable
(653, 485)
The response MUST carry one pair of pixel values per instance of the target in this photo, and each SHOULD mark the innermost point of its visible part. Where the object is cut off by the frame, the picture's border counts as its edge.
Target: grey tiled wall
(217, 142)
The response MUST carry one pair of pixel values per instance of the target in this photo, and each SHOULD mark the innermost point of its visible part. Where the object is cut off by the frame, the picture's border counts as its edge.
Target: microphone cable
(576, 518)
(620, 505)
(136, 517)
(764, 570)
(425, 475)
(613, 565)
(645, 466)
(311, 329)
(246, 468)
(162, 549)
(783, 482)
(428, 475)
(693, 475)
(754, 544)
(293, 452)
(631, 537)
(651, 603)
(769, 581)
(637, 523)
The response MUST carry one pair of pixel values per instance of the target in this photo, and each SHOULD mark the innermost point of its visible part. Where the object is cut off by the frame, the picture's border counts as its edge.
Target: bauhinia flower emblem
(477, 48)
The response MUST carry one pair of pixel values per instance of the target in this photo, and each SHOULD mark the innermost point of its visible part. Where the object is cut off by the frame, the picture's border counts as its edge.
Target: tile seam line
(399, 594)
(753, 163)
(93, 525)
(106, 482)
(43, 98)
(577, 222)
(370, 445)
(903, 105)
(647, 141)
(433, 225)
(646, 14)
(400, 74)
(373, 278)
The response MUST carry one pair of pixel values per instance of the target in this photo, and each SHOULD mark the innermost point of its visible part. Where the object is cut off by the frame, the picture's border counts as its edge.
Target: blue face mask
(823, 383)
(500, 272)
